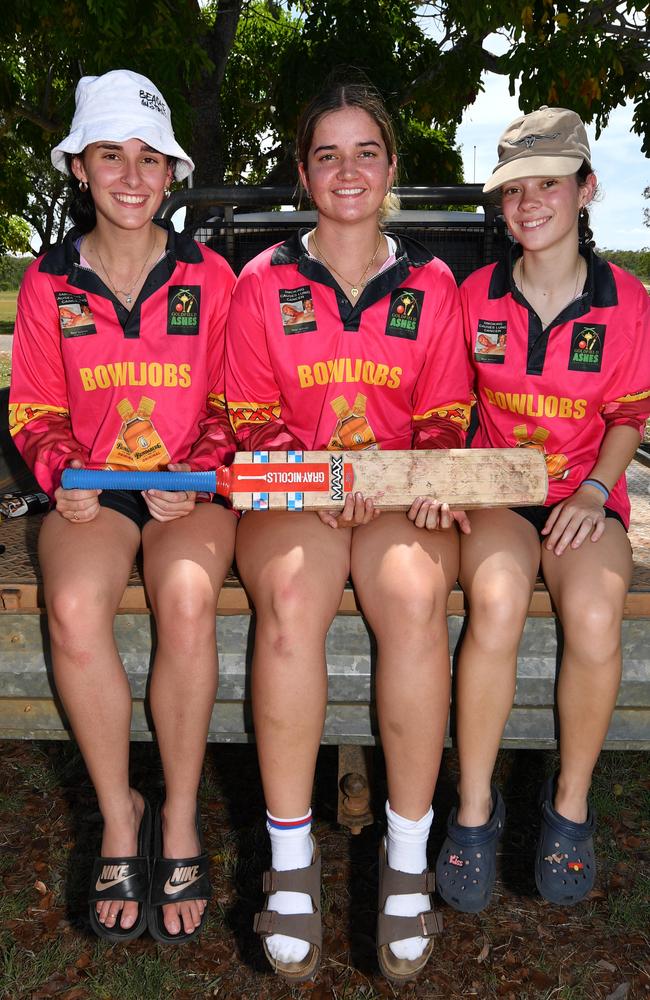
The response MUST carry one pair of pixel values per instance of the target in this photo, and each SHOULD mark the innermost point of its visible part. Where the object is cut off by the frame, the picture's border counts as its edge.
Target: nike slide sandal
(176, 880)
(125, 880)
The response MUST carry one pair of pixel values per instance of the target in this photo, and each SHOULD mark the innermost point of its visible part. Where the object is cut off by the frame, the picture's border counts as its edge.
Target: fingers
(463, 522)
(357, 511)
(570, 526)
(168, 505)
(433, 515)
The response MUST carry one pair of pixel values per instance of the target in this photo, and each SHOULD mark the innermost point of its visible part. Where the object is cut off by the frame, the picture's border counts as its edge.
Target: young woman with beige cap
(118, 362)
(559, 343)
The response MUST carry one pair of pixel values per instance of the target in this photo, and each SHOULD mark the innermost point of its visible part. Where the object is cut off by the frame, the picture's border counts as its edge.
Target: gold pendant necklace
(353, 285)
(128, 295)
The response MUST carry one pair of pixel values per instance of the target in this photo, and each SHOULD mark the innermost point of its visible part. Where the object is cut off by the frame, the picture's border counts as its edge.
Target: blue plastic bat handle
(106, 479)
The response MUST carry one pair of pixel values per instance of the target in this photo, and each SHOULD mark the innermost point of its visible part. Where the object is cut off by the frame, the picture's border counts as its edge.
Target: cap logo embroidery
(529, 140)
(153, 101)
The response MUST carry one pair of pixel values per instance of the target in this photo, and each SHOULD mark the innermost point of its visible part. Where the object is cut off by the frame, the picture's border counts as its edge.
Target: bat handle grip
(107, 479)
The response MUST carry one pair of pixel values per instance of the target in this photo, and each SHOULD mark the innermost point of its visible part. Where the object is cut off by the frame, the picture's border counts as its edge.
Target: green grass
(138, 977)
(7, 311)
(5, 369)
(23, 971)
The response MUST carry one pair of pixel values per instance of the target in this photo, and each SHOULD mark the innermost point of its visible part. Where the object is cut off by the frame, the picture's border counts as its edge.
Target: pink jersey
(93, 381)
(305, 368)
(560, 389)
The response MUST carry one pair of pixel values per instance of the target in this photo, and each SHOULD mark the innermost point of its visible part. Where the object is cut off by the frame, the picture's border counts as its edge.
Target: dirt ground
(520, 948)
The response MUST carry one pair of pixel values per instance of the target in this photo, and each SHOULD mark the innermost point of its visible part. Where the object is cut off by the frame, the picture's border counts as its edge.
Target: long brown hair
(339, 94)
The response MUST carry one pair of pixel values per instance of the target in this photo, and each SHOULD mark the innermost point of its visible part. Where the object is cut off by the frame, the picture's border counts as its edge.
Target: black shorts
(131, 503)
(538, 516)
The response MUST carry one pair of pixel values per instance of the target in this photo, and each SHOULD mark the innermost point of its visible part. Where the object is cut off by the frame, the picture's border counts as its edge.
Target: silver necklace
(353, 285)
(575, 290)
(128, 295)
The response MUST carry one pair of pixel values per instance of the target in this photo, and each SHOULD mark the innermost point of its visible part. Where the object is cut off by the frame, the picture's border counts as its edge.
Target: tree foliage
(11, 271)
(635, 261)
(45, 46)
(238, 72)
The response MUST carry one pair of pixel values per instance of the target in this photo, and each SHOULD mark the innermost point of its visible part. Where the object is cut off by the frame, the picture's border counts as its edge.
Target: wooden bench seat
(28, 706)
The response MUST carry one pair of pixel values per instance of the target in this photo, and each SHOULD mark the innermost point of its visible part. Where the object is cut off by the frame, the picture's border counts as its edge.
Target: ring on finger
(75, 516)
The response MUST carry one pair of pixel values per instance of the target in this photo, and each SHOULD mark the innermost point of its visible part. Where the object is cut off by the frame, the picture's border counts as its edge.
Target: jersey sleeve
(253, 395)
(628, 399)
(215, 444)
(441, 402)
(39, 414)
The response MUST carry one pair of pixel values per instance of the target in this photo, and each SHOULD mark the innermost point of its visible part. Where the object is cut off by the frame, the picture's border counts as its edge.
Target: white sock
(291, 847)
(406, 847)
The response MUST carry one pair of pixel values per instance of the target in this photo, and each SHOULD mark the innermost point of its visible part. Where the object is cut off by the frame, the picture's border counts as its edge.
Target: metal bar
(243, 196)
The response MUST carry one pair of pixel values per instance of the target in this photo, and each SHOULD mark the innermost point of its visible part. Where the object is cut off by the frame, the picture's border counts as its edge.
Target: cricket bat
(320, 480)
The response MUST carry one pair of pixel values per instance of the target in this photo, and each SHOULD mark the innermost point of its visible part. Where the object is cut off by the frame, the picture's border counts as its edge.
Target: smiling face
(127, 180)
(542, 212)
(348, 170)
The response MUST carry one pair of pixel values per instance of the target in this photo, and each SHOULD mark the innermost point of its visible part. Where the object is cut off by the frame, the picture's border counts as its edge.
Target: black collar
(600, 286)
(63, 258)
(292, 251)
(408, 254)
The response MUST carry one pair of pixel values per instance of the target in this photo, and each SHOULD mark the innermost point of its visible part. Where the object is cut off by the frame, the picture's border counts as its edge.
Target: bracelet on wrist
(596, 483)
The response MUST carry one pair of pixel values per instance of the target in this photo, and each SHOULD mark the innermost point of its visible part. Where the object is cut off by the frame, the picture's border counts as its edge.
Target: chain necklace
(575, 290)
(354, 285)
(128, 295)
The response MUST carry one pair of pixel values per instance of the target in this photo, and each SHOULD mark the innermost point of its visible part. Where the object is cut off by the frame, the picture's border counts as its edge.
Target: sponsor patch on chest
(75, 317)
(183, 310)
(404, 313)
(297, 310)
(587, 343)
(490, 342)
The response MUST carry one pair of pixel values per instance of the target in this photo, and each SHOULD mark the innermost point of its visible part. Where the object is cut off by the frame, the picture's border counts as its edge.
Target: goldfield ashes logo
(404, 313)
(183, 309)
(587, 343)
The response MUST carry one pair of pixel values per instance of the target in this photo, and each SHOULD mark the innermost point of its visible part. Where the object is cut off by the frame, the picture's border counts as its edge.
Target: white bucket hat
(117, 106)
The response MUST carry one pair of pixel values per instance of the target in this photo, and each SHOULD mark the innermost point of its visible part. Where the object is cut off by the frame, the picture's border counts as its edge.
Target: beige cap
(551, 141)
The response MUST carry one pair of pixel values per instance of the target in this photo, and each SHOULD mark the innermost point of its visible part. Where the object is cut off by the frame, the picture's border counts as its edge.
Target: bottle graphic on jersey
(556, 465)
(120, 456)
(141, 438)
(352, 431)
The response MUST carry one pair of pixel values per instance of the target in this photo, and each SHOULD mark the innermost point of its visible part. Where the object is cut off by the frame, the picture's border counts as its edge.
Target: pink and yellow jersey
(139, 389)
(559, 389)
(306, 368)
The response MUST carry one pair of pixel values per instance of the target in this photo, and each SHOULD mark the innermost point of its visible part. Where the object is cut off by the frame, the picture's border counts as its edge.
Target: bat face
(319, 480)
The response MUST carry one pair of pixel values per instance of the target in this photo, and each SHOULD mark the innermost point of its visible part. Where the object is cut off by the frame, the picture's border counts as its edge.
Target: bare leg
(588, 586)
(85, 570)
(185, 563)
(295, 569)
(403, 576)
(499, 563)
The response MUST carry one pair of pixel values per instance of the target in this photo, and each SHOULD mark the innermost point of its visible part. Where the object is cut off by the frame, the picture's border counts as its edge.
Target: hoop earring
(83, 186)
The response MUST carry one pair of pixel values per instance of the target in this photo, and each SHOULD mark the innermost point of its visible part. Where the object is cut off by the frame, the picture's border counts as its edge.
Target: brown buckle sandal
(396, 928)
(304, 926)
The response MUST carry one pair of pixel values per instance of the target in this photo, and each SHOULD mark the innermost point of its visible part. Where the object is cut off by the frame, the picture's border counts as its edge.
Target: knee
(289, 615)
(407, 609)
(76, 622)
(185, 615)
(497, 613)
(593, 630)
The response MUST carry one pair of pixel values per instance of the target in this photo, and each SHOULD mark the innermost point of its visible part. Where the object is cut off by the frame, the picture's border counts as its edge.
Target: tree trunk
(207, 145)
